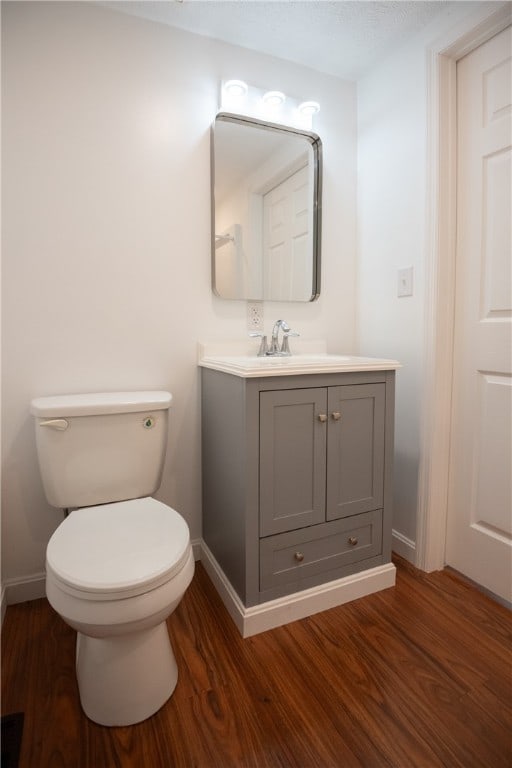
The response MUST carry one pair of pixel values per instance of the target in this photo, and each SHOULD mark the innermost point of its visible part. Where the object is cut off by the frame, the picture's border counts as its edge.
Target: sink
(251, 365)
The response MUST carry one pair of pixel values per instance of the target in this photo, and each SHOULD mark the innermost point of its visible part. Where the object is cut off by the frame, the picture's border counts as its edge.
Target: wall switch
(405, 282)
(255, 316)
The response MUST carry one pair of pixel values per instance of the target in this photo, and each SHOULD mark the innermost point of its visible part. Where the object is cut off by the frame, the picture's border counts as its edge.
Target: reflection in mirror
(266, 183)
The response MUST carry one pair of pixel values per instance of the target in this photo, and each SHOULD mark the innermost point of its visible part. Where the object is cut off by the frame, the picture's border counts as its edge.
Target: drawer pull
(299, 557)
(322, 417)
(352, 541)
(336, 415)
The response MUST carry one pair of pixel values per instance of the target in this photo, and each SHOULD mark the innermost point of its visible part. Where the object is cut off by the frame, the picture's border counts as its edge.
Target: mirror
(266, 185)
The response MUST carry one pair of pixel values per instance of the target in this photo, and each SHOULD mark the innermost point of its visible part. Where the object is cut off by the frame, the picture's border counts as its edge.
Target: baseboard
(275, 613)
(3, 604)
(25, 588)
(404, 547)
(196, 548)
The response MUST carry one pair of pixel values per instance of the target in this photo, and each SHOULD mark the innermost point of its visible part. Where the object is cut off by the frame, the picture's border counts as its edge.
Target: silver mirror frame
(316, 145)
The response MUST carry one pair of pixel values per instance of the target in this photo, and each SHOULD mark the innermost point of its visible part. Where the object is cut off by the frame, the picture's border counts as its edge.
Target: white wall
(106, 230)
(391, 233)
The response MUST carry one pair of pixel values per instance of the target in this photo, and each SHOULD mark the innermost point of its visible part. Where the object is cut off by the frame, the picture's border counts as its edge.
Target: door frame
(441, 158)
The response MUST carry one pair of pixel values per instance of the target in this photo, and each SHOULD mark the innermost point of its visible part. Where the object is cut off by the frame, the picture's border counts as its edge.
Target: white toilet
(121, 561)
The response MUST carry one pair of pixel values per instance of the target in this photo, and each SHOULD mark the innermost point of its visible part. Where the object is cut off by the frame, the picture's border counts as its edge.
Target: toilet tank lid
(96, 403)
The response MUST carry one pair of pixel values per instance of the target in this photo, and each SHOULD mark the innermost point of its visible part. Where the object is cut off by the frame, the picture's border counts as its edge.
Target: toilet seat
(119, 550)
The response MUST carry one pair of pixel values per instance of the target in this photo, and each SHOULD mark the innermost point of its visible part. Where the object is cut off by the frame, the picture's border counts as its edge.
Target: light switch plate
(405, 277)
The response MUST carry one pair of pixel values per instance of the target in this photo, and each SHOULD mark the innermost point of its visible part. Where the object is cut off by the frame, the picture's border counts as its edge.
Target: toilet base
(125, 679)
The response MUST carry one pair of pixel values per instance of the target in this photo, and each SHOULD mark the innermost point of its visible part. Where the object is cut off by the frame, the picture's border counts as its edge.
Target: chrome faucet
(274, 350)
(274, 344)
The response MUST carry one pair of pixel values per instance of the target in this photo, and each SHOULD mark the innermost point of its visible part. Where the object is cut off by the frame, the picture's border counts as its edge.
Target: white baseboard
(24, 588)
(196, 548)
(275, 613)
(404, 547)
(3, 605)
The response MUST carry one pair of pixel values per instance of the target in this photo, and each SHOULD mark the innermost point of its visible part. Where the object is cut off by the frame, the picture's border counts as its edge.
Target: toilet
(121, 561)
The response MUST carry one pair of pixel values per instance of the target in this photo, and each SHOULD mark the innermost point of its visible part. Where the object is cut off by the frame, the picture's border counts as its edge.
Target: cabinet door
(355, 449)
(293, 430)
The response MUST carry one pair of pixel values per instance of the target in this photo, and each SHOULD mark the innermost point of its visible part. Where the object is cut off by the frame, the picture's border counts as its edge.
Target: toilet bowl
(115, 572)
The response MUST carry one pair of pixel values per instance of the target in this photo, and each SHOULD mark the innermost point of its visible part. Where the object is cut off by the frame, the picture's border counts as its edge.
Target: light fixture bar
(238, 97)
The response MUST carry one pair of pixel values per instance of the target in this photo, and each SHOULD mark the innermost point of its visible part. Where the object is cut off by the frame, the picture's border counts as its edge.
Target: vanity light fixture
(273, 98)
(235, 89)
(239, 97)
(309, 108)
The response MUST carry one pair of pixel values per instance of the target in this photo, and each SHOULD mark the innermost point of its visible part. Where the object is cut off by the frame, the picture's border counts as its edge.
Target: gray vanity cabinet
(296, 477)
(321, 455)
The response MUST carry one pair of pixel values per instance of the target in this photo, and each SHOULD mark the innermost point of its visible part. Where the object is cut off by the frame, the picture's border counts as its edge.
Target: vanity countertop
(248, 366)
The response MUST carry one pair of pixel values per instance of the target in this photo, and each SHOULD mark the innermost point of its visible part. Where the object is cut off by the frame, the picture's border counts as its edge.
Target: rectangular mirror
(266, 188)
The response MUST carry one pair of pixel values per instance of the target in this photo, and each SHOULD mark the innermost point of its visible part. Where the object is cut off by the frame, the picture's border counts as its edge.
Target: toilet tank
(101, 447)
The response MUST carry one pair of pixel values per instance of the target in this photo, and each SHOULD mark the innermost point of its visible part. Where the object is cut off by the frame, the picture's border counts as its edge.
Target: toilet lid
(128, 548)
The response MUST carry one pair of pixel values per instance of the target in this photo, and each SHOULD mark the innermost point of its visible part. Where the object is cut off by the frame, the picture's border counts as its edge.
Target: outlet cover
(255, 316)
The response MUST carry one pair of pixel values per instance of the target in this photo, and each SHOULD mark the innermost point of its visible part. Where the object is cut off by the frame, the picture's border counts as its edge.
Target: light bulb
(274, 98)
(235, 88)
(309, 108)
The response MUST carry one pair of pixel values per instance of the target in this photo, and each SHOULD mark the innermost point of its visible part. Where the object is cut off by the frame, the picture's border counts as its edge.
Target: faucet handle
(285, 347)
(263, 346)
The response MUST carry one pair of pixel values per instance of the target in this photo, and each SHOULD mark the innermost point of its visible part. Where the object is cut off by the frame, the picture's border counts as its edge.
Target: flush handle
(60, 424)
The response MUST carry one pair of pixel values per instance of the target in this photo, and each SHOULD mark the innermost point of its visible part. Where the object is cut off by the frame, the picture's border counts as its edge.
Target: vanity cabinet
(296, 478)
(321, 454)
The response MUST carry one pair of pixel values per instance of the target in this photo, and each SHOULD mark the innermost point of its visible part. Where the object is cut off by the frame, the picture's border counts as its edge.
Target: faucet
(274, 350)
(274, 344)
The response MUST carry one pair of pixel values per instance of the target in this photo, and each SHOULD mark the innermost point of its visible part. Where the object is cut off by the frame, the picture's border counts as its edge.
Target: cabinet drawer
(290, 557)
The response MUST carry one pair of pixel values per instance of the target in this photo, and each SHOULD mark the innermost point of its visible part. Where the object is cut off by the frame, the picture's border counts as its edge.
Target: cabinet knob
(322, 417)
(299, 557)
(336, 415)
(352, 541)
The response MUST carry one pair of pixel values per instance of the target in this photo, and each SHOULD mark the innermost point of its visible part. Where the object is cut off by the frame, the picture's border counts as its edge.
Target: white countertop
(248, 366)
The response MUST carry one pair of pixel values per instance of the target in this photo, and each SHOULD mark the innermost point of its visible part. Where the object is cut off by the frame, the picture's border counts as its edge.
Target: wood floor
(417, 675)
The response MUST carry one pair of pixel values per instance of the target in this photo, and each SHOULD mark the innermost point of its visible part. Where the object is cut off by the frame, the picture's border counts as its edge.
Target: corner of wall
(404, 547)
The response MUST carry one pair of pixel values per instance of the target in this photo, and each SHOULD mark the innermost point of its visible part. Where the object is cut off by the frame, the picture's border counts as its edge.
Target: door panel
(480, 499)
(287, 238)
(292, 459)
(355, 449)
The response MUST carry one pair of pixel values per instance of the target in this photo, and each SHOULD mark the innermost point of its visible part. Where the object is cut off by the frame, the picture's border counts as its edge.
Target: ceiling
(344, 38)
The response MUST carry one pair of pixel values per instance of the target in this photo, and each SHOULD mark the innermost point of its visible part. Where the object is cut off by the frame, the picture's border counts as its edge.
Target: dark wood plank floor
(417, 675)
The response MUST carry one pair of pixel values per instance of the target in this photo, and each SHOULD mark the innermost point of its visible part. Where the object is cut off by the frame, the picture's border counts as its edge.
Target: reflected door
(480, 504)
(287, 269)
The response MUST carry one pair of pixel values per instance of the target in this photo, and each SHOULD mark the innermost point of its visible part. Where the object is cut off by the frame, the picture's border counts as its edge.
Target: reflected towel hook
(221, 240)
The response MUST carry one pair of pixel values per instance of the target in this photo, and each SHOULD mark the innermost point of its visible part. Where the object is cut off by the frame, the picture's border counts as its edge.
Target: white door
(480, 503)
(287, 271)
